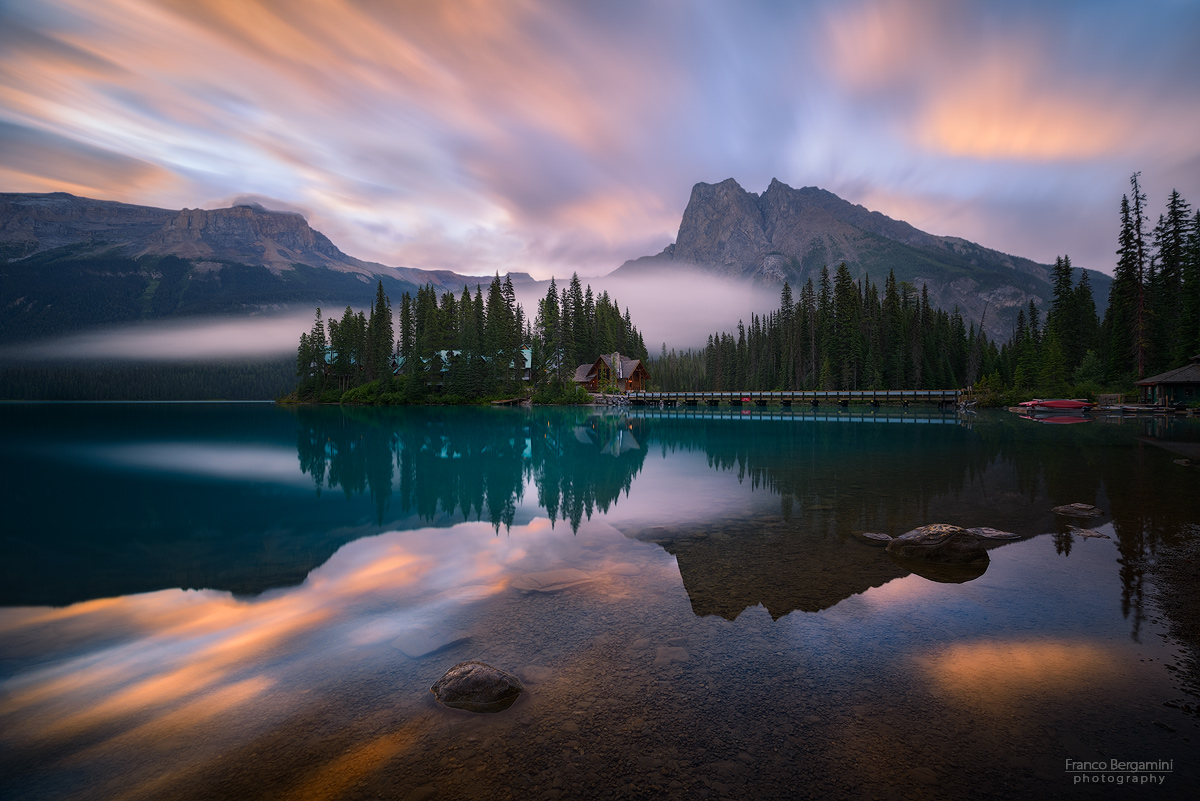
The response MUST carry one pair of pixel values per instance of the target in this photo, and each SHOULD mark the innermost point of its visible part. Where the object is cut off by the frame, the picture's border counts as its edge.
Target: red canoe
(1057, 404)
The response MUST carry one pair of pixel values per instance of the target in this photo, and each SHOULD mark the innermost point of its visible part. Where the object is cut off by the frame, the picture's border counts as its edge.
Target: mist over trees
(839, 334)
(462, 348)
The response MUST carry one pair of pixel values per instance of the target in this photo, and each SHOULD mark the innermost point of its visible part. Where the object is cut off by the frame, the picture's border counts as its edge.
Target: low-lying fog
(192, 339)
(680, 310)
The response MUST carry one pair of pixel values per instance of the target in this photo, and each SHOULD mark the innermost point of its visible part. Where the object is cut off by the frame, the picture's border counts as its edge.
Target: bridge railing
(792, 396)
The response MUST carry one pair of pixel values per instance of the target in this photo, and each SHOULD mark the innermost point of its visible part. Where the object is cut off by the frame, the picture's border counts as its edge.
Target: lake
(204, 601)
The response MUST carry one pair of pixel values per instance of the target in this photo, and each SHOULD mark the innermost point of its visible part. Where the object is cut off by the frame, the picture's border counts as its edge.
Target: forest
(462, 349)
(847, 334)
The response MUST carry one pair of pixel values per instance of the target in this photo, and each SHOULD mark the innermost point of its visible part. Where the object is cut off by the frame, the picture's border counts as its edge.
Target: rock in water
(551, 580)
(877, 537)
(941, 543)
(477, 687)
(993, 533)
(1077, 510)
(1087, 532)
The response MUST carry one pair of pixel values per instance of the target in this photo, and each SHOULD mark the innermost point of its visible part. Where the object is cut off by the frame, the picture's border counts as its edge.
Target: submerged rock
(551, 580)
(993, 533)
(941, 543)
(668, 654)
(1087, 532)
(1077, 510)
(877, 537)
(477, 687)
(536, 674)
(424, 642)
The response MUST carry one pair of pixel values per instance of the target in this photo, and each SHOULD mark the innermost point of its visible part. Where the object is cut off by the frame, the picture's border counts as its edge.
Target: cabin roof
(627, 366)
(622, 368)
(1188, 374)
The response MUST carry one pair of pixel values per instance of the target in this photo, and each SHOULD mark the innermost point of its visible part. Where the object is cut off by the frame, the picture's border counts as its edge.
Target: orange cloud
(964, 86)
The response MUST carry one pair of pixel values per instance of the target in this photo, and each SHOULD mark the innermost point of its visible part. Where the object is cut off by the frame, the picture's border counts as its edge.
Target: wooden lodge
(612, 371)
(1180, 385)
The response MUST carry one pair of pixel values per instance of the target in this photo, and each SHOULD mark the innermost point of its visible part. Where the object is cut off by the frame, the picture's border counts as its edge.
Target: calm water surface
(243, 601)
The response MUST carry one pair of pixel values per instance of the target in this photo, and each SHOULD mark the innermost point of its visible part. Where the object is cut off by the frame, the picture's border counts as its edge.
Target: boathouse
(613, 371)
(1180, 385)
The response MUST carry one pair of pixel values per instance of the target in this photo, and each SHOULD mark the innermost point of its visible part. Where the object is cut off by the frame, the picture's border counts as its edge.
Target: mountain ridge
(70, 262)
(787, 234)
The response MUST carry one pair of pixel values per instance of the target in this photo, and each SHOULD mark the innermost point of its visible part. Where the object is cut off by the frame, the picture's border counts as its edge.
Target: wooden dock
(903, 397)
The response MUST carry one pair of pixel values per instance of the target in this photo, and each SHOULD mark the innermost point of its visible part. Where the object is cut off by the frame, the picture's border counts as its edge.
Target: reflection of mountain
(728, 566)
(882, 474)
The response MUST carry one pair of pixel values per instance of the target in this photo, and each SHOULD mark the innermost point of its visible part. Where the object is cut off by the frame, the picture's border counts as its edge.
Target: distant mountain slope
(788, 234)
(69, 263)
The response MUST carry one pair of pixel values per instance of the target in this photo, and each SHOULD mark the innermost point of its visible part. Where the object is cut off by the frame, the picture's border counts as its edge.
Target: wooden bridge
(923, 415)
(941, 397)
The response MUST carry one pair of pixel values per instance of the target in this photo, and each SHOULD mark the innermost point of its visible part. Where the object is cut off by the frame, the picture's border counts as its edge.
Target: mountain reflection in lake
(219, 601)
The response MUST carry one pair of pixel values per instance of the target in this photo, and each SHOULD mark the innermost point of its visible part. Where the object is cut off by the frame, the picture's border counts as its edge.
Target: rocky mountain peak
(721, 224)
(277, 239)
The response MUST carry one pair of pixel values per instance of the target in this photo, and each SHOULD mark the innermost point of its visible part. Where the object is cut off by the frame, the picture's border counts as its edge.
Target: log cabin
(612, 371)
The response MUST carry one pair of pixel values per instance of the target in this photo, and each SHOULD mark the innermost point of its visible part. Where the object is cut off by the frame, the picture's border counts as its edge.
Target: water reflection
(731, 634)
(117, 499)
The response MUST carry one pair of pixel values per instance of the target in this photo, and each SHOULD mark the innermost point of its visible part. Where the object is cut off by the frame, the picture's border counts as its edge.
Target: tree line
(1153, 318)
(842, 334)
(462, 348)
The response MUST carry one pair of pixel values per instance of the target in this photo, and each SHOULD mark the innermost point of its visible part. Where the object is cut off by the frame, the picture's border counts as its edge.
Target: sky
(560, 137)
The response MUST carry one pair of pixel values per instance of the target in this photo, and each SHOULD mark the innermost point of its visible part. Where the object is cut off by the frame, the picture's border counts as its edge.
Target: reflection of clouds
(231, 462)
(155, 664)
(996, 675)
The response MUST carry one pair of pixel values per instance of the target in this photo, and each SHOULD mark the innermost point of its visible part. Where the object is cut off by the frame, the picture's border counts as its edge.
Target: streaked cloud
(552, 138)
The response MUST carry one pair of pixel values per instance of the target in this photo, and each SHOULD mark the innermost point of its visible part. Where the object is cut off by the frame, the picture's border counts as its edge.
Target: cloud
(45, 161)
(521, 135)
(1035, 84)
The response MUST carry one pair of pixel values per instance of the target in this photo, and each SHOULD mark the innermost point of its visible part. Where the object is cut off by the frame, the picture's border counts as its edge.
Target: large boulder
(477, 687)
(940, 543)
(1077, 510)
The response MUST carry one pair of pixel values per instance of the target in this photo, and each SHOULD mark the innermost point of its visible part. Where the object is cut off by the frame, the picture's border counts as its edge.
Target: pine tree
(1138, 234)
(1087, 326)
(1120, 319)
(1171, 240)
(1189, 319)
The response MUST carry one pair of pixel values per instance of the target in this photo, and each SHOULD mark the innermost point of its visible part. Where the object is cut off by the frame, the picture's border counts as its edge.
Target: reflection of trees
(832, 479)
(458, 461)
(840, 478)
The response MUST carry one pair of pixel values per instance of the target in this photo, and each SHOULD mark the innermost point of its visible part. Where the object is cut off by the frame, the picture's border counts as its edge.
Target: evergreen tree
(1138, 243)
(1171, 240)
(1189, 318)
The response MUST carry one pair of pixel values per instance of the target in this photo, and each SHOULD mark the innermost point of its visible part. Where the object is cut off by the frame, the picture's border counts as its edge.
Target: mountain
(788, 234)
(68, 263)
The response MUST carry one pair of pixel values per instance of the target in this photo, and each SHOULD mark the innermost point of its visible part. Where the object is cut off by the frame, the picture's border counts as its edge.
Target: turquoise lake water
(247, 601)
